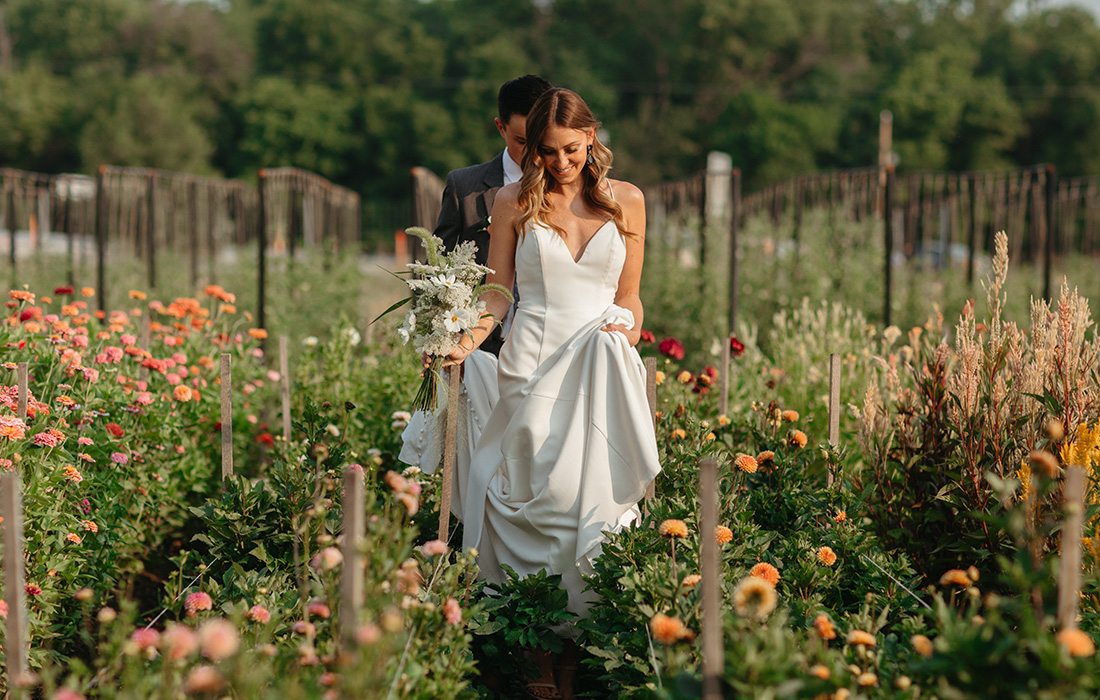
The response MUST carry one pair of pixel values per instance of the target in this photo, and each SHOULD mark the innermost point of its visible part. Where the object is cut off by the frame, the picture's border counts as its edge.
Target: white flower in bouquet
(445, 304)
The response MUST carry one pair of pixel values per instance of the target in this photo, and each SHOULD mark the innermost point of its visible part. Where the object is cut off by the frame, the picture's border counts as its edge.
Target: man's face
(514, 133)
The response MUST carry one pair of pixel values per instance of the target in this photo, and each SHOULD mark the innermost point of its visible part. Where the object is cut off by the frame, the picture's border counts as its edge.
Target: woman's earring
(591, 160)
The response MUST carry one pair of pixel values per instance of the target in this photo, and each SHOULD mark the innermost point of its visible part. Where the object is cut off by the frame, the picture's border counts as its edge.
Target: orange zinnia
(797, 438)
(723, 534)
(1076, 642)
(667, 630)
(767, 572)
(824, 627)
(826, 556)
(673, 529)
(955, 577)
(746, 463)
(861, 638)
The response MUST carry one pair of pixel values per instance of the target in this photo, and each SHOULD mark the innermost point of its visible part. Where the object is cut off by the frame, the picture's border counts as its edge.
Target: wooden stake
(284, 378)
(713, 654)
(227, 415)
(651, 396)
(1069, 567)
(22, 377)
(351, 578)
(450, 438)
(15, 643)
(834, 408)
(724, 379)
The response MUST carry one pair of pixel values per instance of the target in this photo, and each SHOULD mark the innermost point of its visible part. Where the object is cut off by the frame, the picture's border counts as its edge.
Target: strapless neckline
(577, 259)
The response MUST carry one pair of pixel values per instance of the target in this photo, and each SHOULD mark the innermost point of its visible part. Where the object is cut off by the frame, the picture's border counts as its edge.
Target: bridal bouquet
(445, 303)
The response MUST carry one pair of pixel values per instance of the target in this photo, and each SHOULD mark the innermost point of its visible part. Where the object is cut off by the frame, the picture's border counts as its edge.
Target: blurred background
(359, 91)
(168, 144)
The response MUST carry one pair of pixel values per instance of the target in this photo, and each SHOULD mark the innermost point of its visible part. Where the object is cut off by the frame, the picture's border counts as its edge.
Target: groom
(469, 193)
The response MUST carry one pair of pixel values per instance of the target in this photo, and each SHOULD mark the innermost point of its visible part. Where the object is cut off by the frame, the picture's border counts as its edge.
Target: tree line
(361, 90)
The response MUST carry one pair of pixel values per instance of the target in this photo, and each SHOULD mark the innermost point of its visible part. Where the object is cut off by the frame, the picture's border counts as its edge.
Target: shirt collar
(512, 171)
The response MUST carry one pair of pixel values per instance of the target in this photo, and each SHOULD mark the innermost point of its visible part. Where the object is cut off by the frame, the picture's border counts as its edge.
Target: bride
(558, 446)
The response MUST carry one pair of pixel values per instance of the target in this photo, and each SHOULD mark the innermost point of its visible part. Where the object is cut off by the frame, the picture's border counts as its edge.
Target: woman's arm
(502, 260)
(628, 293)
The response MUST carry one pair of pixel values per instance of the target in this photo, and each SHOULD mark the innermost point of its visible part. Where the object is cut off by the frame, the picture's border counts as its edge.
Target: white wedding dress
(556, 442)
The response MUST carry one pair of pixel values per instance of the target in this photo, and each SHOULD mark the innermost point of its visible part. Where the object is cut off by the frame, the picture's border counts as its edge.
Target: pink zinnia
(178, 642)
(3, 608)
(145, 638)
(219, 639)
(452, 612)
(32, 589)
(84, 441)
(433, 548)
(46, 440)
(318, 609)
(258, 613)
(197, 601)
(119, 458)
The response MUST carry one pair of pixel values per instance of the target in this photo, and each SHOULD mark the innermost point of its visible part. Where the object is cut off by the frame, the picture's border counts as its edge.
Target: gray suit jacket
(464, 216)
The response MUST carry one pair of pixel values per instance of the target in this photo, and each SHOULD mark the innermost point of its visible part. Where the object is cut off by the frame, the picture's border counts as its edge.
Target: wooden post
(261, 269)
(651, 397)
(735, 222)
(284, 377)
(227, 415)
(888, 216)
(703, 233)
(22, 378)
(15, 643)
(713, 661)
(351, 577)
(724, 379)
(70, 241)
(151, 230)
(101, 237)
(1052, 221)
(834, 408)
(193, 230)
(450, 437)
(1069, 567)
(11, 223)
(211, 238)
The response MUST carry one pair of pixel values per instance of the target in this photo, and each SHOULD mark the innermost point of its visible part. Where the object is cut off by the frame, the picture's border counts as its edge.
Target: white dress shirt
(512, 171)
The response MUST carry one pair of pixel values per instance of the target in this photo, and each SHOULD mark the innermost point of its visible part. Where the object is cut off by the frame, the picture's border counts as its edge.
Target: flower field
(920, 557)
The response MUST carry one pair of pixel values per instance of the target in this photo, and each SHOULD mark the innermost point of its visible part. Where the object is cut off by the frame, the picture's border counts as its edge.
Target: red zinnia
(63, 290)
(670, 347)
(737, 348)
(26, 314)
(647, 336)
(115, 430)
(265, 439)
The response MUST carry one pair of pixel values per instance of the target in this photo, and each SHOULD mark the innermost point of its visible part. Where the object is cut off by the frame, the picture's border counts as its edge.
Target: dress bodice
(552, 283)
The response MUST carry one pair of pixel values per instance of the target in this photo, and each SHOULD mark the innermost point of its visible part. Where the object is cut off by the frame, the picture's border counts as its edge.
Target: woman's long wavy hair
(564, 108)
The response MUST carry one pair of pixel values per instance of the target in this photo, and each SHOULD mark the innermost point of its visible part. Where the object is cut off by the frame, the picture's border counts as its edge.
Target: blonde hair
(564, 108)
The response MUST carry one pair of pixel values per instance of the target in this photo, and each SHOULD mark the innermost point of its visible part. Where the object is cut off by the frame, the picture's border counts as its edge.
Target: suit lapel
(493, 179)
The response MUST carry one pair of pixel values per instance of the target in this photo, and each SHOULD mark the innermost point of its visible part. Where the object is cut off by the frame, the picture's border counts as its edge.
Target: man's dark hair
(518, 95)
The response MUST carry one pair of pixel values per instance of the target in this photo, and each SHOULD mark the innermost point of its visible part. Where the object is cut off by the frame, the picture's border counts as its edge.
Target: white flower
(445, 281)
(310, 341)
(455, 320)
(352, 336)
(404, 335)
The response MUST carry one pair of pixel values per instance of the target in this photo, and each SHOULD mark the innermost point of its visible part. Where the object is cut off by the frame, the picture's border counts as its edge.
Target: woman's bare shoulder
(627, 193)
(508, 195)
